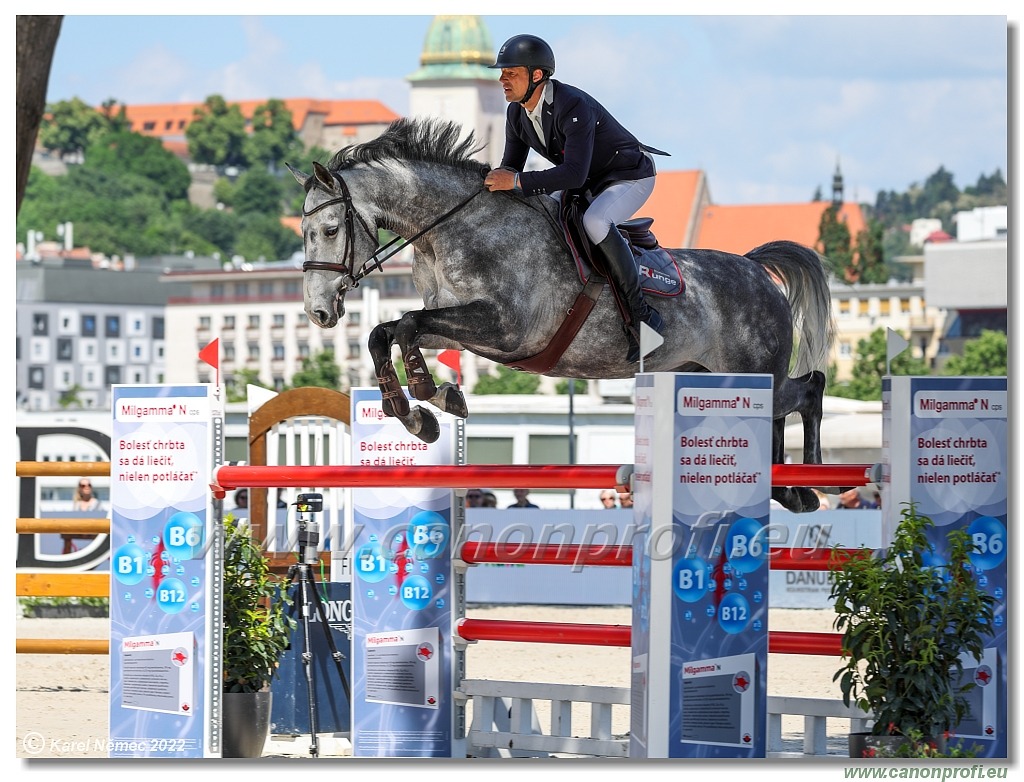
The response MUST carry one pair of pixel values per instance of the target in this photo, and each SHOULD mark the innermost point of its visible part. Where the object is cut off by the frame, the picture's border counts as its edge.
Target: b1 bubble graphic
(129, 564)
(184, 535)
(428, 534)
(371, 564)
(171, 595)
(416, 593)
(690, 579)
(746, 545)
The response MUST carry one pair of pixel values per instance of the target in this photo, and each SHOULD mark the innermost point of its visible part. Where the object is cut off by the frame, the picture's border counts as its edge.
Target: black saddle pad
(659, 272)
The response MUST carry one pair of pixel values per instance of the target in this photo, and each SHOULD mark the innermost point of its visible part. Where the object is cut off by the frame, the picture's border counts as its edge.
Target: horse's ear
(300, 177)
(323, 177)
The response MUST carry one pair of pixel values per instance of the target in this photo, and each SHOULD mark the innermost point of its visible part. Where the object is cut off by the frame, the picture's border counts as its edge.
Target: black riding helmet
(530, 52)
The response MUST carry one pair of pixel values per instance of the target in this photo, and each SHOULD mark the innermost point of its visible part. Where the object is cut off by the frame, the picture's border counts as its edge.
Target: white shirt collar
(537, 114)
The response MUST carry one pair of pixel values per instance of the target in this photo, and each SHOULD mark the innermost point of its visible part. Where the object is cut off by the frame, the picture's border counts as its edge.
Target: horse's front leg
(454, 326)
(393, 401)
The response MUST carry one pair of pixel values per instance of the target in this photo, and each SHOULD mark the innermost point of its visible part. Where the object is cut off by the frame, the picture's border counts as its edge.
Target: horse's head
(336, 239)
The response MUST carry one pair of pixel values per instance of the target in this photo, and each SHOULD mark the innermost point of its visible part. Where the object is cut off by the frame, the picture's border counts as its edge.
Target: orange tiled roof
(171, 119)
(674, 204)
(292, 222)
(739, 229)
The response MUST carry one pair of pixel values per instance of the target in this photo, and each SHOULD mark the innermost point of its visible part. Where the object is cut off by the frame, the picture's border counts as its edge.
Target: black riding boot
(622, 273)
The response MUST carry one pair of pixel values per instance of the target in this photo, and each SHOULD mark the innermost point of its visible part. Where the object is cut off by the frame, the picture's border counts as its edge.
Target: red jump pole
(484, 552)
(544, 632)
(498, 476)
(479, 552)
(619, 635)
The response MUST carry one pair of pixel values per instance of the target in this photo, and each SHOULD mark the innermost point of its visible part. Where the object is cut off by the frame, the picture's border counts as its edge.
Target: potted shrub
(257, 630)
(905, 623)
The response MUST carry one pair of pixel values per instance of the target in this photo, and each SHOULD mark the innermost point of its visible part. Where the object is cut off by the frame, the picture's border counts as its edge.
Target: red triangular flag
(211, 355)
(453, 360)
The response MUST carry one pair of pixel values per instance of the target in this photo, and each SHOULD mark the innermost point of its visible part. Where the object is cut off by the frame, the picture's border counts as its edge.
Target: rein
(375, 262)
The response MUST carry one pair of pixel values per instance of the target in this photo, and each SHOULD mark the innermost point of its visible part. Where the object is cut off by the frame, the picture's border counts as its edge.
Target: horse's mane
(424, 140)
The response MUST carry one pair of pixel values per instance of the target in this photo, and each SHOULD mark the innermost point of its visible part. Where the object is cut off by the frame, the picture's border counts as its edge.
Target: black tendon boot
(622, 273)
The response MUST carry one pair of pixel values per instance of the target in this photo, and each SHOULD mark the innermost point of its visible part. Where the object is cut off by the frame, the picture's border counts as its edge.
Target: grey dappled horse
(496, 279)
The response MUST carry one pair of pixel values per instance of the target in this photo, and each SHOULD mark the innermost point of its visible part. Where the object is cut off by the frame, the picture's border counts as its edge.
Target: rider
(590, 151)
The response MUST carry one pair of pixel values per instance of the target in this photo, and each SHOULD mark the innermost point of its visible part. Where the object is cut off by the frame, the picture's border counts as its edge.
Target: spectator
(853, 500)
(625, 498)
(609, 499)
(489, 500)
(84, 499)
(474, 498)
(242, 499)
(823, 501)
(522, 500)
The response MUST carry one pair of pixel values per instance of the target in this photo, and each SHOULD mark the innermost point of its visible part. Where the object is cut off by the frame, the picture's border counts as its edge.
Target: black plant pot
(868, 745)
(245, 723)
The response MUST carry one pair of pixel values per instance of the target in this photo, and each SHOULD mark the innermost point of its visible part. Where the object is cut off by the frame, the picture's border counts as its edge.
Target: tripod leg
(330, 643)
(307, 659)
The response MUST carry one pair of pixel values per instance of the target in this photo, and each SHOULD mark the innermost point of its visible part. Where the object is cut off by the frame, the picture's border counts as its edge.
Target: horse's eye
(331, 231)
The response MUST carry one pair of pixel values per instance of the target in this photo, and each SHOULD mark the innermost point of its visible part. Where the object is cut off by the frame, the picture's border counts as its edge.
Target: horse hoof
(427, 429)
(452, 401)
(796, 499)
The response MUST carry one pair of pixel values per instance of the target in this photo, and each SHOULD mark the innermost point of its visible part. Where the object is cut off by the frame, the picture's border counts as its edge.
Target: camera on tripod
(309, 529)
(309, 601)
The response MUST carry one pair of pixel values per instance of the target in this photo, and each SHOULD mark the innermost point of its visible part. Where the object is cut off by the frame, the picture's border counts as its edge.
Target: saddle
(659, 272)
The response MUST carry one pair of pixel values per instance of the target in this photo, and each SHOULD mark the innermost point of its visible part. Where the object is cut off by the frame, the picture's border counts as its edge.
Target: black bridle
(350, 275)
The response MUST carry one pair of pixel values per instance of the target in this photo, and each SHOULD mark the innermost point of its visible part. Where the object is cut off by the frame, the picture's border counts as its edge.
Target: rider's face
(514, 82)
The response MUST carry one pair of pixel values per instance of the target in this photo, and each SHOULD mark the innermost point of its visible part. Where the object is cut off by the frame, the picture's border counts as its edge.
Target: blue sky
(766, 106)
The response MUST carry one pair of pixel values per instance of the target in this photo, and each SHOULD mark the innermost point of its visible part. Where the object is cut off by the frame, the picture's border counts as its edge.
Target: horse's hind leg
(804, 396)
(447, 398)
(421, 382)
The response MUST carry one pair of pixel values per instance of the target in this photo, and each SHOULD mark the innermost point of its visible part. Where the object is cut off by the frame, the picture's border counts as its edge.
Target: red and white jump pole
(498, 476)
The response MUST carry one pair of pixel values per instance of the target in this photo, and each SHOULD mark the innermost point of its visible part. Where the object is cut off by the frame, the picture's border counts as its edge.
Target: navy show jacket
(586, 144)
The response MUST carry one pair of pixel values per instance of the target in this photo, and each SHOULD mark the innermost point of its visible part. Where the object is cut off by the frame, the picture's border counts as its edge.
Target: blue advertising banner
(164, 587)
(401, 593)
(947, 451)
(700, 624)
(723, 428)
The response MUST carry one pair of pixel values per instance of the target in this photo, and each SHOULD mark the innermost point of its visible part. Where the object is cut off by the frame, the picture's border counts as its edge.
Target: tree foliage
(70, 126)
(258, 192)
(133, 153)
(939, 198)
(869, 367)
(216, 136)
(985, 355)
(871, 265)
(579, 386)
(834, 244)
(273, 139)
(319, 369)
(507, 381)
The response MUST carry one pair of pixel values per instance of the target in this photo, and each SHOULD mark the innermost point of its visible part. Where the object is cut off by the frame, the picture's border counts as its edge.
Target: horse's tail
(803, 276)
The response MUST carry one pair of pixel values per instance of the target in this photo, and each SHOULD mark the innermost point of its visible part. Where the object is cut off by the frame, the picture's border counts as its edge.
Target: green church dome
(456, 47)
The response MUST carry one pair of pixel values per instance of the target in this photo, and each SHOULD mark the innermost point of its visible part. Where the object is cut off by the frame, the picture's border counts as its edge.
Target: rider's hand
(500, 179)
